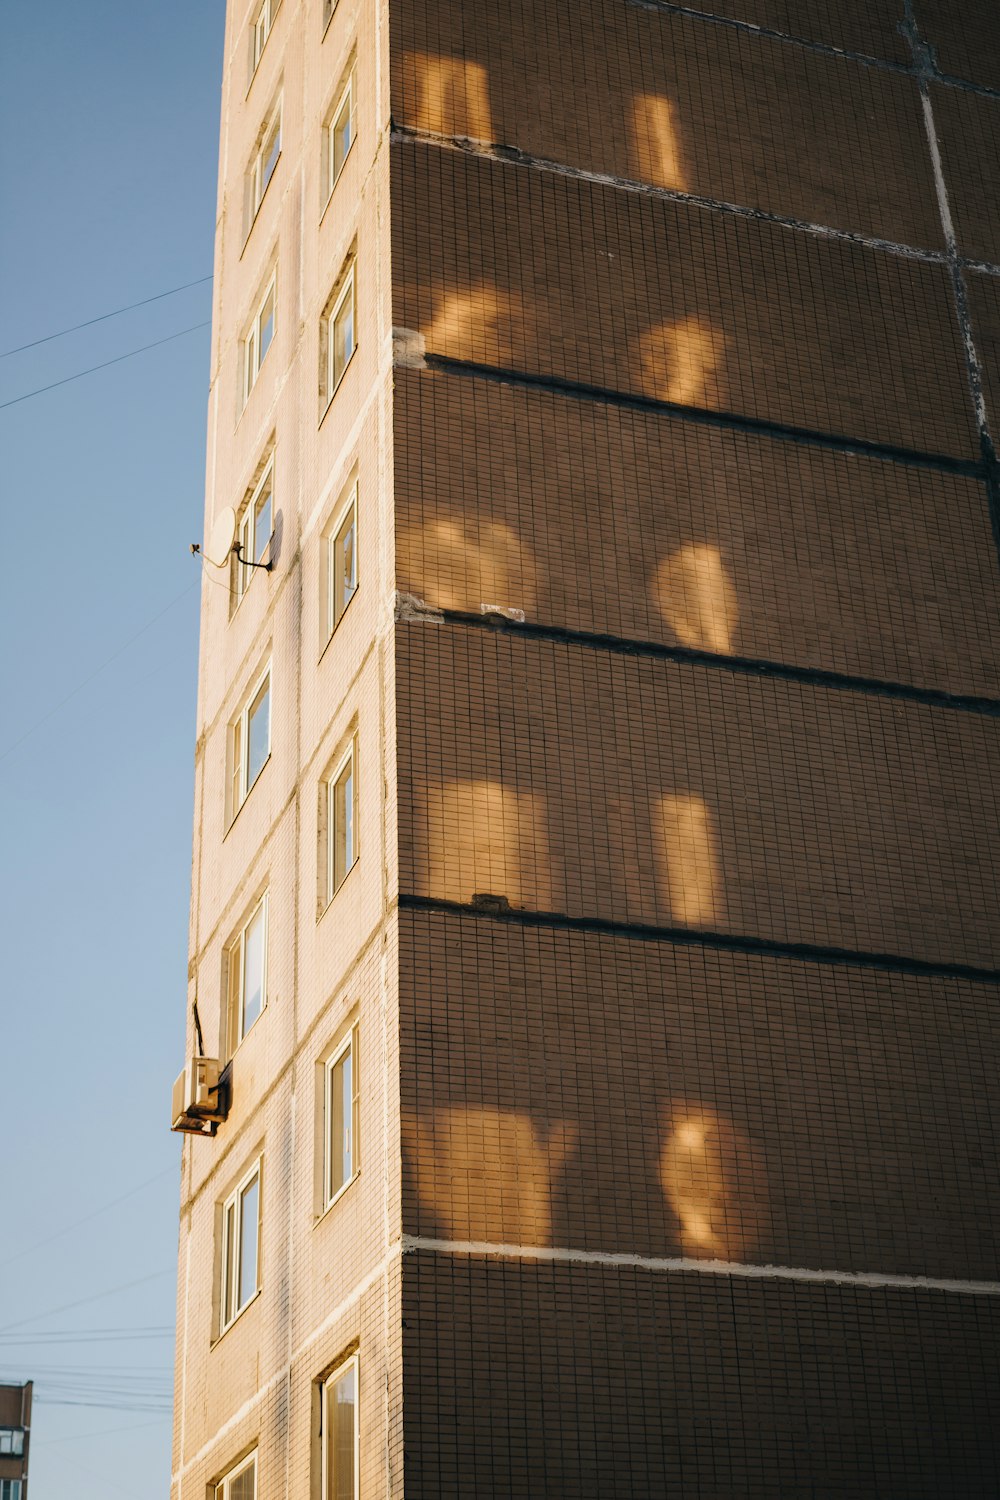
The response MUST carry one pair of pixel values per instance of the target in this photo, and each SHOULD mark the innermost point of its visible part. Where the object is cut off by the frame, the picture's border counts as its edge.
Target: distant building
(596, 868)
(15, 1431)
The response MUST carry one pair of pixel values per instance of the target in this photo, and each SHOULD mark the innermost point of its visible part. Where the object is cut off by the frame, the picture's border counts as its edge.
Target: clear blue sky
(108, 174)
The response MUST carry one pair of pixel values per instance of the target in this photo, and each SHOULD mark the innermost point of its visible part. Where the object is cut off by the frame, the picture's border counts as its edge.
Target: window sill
(327, 643)
(260, 205)
(332, 193)
(340, 382)
(246, 799)
(340, 887)
(338, 1195)
(229, 1326)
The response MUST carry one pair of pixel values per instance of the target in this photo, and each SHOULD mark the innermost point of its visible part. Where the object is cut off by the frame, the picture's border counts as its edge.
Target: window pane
(262, 523)
(343, 136)
(237, 787)
(248, 1241)
(341, 1122)
(343, 823)
(242, 1487)
(228, 1264)
(345, 577)
(271, 152)
(251, 362)
(343, 336)
(341, 1408)
(258, 732)
(253, 970)
(266, 326)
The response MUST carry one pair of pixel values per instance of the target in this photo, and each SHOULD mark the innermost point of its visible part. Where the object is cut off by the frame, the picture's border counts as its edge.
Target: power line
(95, 1297)
(105, 364)
(101, 1432)
(96, 672)
(75, 328)
(67, 1228)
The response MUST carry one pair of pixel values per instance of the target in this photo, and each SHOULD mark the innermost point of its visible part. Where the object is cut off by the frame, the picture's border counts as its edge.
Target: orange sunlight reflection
(483, 837)
(697, 598)
(487, 1174)
(475, 324)
(461, 566)
(656, 148)
(688, 863)
(682, 362)
(714, 1180)
(453, 96)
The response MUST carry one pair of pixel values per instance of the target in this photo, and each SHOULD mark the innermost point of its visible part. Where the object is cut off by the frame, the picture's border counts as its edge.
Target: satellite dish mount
(223, 543)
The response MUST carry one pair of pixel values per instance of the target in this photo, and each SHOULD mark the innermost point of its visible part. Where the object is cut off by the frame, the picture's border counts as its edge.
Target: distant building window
(240, 1250)
(10, 1489)
(341, 332)
(240, 1483)
(261, 168)
(341, 1119)
(342, 821)
(11, 1442)
(259, 336)
(340, 1433)
(342, 561)
(260, 30)
(249, 741)
(254, 529)
(247, 975)
(340, 133)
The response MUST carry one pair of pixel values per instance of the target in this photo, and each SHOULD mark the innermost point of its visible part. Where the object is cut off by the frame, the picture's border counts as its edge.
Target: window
(258, 338)
(240, 1483)
(340, 334)
(250, 742)
(342, 562)
(339, 1432)
(254, 530)
(260, 30)
(339, 134)
(246, 974)
(240, 1249)
(340, 1135)
(261, 168)
(10, 1489)
(342, 822)
(329, 6)
(11, 1442)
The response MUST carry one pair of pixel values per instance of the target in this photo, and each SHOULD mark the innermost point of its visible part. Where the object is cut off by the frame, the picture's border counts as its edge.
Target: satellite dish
(220, 543)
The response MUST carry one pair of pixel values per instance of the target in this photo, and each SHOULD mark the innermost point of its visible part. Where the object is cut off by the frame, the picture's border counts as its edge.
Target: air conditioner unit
(199, 1100)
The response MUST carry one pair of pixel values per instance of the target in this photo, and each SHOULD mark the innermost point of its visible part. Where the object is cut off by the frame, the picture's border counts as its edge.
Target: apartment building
(15, 1440)
(594, 949)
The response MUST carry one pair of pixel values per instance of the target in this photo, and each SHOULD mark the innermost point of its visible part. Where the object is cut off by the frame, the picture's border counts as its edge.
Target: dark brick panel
(984, 303)
(602, 785)
(583, 1382)
(681, 1101)
(646, 526)
(968, 130)
(867, 26)
(514, 267)
(739, 117)
(965, 37)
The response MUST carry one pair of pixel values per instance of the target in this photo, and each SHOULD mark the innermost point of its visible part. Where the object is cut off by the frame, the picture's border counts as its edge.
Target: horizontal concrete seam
(649, 932)
(701, 416)
(827, 49)
(743, 666)
(344, 1306)
(514, 156)
(619, 1260)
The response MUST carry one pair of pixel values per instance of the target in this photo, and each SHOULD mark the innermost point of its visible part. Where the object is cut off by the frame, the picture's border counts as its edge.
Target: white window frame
(346, 96)
(246, 533)
(255, 182)
(347, 291)
(240, 786)
(11, 1442)
(224, 1488)
(260, 29)
(349, 757)
(10, 1489)
(250, 349)
(325, 1386)
(332, 533)
(349, 1044)
(236, 975)
(229, 1280)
